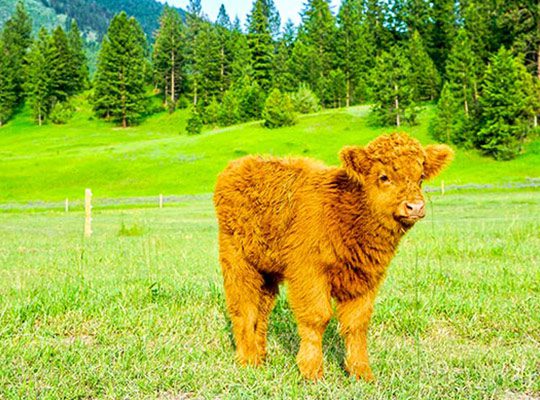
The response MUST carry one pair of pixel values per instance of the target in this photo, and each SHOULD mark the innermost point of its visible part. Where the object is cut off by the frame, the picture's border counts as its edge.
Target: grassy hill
(54, 162)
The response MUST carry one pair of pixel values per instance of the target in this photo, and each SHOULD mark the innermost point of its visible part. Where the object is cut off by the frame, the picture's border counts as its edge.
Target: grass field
(143, 317)
(54, 162)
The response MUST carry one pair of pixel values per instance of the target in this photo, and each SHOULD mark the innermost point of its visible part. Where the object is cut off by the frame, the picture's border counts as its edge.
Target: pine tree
(208, 63)
(520, 20)
(274, 19)
(194, 23)
(355, 56)
(119, 86)
(260, 43)
(250, 98)
(505, 107)
(211, 112)
(223, 20)
(378, 36)
(61, 69)
(241, 56)
(278, 110)
(463, 71)
(194, 123)
(229, 113)
(424, 77)
(17, 38)
(38, 85)
(443, 32)
(224, 34)
(282, 75)
(442, 126)
(392, 93)
(168, 57)
(314, 52)
(8, 95)
(336, 88)
(78, 61)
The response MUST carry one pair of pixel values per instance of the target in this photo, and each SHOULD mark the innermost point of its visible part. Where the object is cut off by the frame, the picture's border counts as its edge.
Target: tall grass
(143, 317)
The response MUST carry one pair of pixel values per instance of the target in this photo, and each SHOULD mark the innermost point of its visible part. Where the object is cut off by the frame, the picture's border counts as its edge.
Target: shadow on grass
(282, 328)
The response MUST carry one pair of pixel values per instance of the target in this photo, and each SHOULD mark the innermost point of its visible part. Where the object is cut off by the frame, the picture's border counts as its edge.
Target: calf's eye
(384, 178)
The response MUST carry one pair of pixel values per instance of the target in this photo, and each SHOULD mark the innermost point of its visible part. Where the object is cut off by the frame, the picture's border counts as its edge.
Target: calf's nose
(415, 209)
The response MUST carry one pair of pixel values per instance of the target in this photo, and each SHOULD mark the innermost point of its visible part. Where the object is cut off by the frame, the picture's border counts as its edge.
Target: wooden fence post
(66, 205)
(160, 201)
(88, 213)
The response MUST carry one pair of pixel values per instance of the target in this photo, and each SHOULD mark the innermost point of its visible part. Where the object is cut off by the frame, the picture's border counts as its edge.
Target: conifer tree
(78, 61)
(208, 63)
(463, 72)
(194, 23)
(282, 75)
(260, 43)
(229, 113)
(355, 56)
(443, 31)
(314, 52)
(505, 107)
(336, 88)
(62, 71)
(443, 125)
(17, 38)
(424, 78)
(392, 93)
(224, 34)
(250, 98)
(274, 19)
(521, 22)
(119, 85)
(168, 57)
(38, 85)
(378, 36)
(278, 110)
(241, 56)
(8, 95)
(223, 20)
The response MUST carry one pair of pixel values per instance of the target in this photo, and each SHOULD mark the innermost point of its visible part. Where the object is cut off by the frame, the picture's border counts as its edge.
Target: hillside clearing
(53, 162)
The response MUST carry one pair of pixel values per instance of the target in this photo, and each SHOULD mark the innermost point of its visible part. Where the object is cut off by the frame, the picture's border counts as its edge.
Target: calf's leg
(243, 293)
(354, 316)
(268, 293)
(310, 301)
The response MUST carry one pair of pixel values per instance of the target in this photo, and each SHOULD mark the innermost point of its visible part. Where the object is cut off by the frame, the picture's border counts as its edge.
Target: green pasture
(137, 311)
(51, 163)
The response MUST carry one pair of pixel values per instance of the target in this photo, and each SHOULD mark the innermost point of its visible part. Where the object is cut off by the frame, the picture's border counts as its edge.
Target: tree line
(478, 60)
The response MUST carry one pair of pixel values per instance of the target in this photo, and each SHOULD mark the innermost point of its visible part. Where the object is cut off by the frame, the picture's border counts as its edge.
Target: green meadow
(137, 310)
(52, 162)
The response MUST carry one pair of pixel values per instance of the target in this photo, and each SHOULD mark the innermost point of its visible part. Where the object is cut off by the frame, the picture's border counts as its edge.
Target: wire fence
(162, 200)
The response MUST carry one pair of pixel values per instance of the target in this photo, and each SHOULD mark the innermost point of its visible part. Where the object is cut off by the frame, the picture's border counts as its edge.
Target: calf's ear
(355, 162)
(437, 157)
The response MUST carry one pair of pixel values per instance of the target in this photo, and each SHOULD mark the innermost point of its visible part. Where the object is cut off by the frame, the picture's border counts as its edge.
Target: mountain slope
(93, 16)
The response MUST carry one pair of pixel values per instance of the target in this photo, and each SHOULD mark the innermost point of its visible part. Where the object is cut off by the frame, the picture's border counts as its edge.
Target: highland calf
(328, 232)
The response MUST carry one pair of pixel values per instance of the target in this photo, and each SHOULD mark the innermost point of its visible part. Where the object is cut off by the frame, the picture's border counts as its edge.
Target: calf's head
(391, 170)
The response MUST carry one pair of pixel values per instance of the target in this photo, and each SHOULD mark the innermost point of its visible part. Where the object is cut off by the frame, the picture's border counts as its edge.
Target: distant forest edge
(478, 60)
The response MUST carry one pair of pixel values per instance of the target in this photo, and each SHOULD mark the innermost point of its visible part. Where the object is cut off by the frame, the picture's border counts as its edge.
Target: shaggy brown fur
(328, 232)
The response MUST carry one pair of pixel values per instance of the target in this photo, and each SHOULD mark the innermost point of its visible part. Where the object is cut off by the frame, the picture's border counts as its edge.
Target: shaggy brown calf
(328, 232)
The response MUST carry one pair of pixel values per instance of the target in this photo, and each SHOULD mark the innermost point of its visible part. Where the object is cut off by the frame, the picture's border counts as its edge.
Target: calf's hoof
(311, 369)
(253, 359)
(361, 371)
